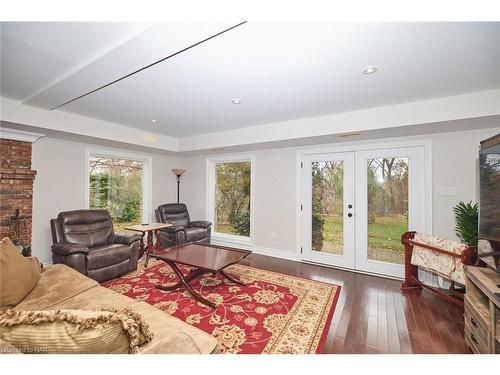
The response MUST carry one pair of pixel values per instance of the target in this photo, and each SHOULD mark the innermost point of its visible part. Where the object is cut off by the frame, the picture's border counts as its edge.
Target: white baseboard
(275, 253)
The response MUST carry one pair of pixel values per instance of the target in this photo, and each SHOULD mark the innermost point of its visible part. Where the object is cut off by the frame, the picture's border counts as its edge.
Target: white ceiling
(37, 54)
(280, 71)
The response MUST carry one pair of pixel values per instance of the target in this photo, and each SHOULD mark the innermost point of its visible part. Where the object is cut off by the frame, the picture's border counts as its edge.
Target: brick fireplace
(16, 187)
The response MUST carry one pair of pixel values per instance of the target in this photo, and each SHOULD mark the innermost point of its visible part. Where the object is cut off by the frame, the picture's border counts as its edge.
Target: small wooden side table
(151, 230)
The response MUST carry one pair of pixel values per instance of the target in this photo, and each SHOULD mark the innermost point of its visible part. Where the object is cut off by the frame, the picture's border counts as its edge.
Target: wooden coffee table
(205, 258)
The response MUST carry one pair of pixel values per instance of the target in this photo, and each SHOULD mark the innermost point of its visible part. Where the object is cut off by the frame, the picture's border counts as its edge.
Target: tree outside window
(232, 198)
(116, 185)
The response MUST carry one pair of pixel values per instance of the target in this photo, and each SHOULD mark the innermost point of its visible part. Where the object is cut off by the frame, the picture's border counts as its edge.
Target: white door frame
(426, 144)
(347, 259)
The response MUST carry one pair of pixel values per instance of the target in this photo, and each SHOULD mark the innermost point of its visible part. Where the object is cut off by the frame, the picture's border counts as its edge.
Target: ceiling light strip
(149, 66)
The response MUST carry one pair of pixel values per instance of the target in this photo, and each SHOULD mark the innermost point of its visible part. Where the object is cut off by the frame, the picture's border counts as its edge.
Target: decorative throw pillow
(74, 331)
(18, 275)
(36, 263)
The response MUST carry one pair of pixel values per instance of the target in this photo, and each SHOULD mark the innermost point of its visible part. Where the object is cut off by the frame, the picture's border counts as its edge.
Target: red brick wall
(16, 187)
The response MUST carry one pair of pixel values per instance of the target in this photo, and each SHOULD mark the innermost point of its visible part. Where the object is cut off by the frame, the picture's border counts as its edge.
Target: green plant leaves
(466, 218)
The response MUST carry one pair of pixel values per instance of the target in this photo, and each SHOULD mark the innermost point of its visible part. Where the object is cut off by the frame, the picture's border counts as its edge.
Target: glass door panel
(328, 221)
(390, 200)
(327, 206)
(387, 208)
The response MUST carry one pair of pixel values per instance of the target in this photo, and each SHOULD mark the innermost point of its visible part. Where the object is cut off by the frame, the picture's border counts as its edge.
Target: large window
(119, 184)
(230, 197)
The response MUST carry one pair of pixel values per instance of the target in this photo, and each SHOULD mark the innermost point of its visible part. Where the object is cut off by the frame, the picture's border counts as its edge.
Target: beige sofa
(61, 287)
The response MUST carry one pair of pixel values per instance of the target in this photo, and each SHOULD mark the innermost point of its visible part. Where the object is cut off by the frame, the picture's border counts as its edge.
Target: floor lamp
(178, 172)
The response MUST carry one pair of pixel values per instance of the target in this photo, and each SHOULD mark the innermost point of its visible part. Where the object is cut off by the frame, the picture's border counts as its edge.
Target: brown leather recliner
(85, 240)
(183, 229)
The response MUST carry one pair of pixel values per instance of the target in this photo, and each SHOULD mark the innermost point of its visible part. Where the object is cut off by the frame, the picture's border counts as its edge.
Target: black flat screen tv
(489, 197)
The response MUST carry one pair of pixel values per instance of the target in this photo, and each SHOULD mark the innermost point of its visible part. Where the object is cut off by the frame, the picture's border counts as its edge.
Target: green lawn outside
(384, 233)
(333, 234)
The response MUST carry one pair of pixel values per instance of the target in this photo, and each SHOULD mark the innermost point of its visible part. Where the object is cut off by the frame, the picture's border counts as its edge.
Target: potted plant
(466, 218)
(466, 227)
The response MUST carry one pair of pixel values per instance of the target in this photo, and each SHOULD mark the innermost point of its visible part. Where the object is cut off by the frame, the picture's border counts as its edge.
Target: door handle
(349, 214)
(349, 206)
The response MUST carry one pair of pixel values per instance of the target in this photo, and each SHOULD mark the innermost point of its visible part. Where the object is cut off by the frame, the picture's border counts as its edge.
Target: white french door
(328, 181)
(356, 206)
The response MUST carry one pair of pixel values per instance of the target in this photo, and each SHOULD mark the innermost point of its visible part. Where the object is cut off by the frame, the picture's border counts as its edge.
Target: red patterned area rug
(272, 313)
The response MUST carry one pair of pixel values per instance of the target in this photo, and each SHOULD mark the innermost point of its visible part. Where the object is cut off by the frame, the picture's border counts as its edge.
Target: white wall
(454, 163)
(60, 185)
(274, 201)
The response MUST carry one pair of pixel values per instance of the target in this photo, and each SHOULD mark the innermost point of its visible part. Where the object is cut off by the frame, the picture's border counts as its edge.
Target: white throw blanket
(444, 265)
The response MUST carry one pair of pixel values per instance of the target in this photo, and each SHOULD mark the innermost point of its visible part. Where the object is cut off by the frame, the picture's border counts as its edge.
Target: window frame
(210, 197)
(147, 167)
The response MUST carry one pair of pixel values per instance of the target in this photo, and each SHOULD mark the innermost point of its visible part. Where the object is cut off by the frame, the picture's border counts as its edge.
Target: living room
(242, 185)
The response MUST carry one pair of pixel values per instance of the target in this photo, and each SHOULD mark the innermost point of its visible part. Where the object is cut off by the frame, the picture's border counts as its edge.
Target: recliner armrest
(200, 224)
(174, 229)
(125, 238)
(68, 248)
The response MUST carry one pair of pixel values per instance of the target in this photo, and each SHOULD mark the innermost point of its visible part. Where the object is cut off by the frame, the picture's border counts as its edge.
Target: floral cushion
(444, 265)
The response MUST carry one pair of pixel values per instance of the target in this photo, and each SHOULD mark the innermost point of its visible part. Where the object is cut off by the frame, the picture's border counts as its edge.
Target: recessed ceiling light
(236, 101)
(154, 121)
(370, 69)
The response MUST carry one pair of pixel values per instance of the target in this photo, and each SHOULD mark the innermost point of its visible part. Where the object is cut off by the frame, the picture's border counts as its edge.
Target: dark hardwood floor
(374, 316)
